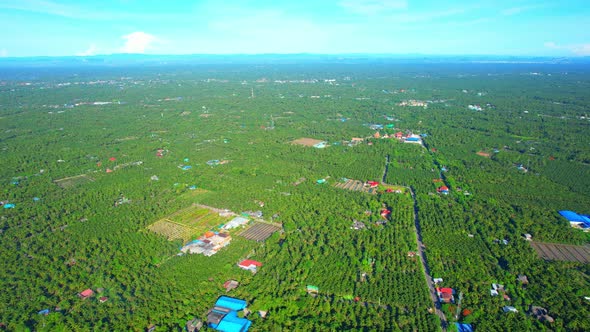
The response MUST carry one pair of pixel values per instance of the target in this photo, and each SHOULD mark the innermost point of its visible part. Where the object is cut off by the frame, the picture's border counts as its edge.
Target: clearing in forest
(306, 141)
(260, 231)
(187, 223)
(562, 252)
(72, 181)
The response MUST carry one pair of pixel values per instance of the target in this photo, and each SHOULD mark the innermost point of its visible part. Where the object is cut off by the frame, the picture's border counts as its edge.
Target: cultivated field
(72, 181)
(306, 141)
(187, 223)
(260, 231)
(562, 252)
(356, 185)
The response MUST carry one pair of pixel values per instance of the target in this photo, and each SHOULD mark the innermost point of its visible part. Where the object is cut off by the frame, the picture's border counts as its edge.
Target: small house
(443, 190)
(445, 295)
(523, 279)
(372, 184)
(44, 312)
(528, 237)
(230, 284)
(509, 308)
(194, 325)
(103, 299)
(250, 265)
(86, 293)
(312, 289)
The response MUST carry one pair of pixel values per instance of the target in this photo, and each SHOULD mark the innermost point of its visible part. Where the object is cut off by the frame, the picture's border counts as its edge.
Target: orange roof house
(86, 293)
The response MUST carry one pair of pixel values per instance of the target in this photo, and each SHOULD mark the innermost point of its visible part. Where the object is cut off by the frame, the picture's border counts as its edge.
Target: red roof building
(373, 184)
(443, 189)
(445, 294)
(86, 293)
(249, 264)
(399, 134)
(103, 299)
(112, 158)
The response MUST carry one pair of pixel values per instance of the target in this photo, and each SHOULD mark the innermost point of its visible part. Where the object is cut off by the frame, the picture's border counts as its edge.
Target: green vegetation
(89, 180)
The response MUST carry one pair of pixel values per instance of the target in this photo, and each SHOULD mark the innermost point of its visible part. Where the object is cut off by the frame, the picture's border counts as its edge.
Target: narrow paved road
(425, 268)
(420, 250)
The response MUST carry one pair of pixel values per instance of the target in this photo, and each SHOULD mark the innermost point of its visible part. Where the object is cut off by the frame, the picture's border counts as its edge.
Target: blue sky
(448, 27)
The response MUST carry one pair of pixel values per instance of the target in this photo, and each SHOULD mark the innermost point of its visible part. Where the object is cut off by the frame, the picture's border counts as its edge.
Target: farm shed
(576, 220)
(236, 222)
(462, 327)
(224, 315)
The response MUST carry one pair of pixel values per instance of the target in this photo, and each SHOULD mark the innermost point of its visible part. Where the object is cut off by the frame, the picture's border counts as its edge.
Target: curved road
(420, 251)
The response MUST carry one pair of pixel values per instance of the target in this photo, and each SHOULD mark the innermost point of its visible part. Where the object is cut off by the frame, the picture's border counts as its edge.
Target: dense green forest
(77, 142)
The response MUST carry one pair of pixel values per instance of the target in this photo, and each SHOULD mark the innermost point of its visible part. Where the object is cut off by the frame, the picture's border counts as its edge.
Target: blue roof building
(231, 303)
(461, 327)
(232, 323)
(224, 315)
(576, 220)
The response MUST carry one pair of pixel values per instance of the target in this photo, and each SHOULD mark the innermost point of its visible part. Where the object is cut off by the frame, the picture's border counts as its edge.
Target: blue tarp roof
(231, 303)
(413, 139)
(461, 327)
(575, 217)
(232, 323)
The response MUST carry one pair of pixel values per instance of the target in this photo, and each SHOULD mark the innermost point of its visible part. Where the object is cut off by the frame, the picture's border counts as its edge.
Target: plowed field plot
(562, 252)
(72, 181)
(355, 185)
(306, 141)
(187, 223)
(259, 231)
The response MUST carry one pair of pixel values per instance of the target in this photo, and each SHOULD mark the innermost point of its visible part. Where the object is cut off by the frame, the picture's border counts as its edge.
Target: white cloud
(581, 50)
(137, 42)
(3, 53)
(576, 49)
(89, 52)
(370, 7)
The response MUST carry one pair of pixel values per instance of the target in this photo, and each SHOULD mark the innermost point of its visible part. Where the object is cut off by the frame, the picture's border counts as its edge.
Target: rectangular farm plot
(171, 230)
(562, 252)
(187, 223)
(72, 181)
(260, 231)
(356, 185)
(306, 141)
